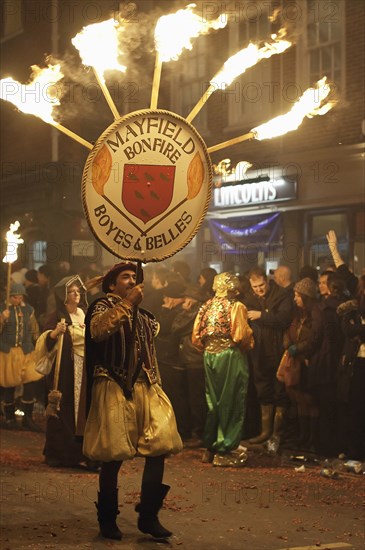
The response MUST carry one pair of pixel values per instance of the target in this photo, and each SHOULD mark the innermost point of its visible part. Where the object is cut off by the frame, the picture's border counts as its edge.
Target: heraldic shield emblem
(147, 189)
(146, 185)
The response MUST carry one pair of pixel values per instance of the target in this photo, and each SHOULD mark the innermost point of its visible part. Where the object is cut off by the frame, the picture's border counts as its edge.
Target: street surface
(266, 505)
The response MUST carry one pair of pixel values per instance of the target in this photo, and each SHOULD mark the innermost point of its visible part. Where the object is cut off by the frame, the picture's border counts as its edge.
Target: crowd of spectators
(317, 321)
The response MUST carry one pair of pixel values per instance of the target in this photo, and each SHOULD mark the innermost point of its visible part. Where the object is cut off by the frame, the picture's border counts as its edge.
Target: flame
(225, 173)
(224, 168)
(239, 62)
(173, 33)
(309, 105)
(37, 98)
(98, 46)
(12, 240)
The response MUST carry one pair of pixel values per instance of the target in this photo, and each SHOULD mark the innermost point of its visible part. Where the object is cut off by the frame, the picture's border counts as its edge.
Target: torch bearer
(13, 240)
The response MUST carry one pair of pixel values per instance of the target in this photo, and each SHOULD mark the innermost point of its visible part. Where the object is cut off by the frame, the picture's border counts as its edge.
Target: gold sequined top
(222, 323)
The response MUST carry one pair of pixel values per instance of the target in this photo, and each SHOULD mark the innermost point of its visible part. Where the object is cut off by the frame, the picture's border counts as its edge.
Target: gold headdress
(225, 283)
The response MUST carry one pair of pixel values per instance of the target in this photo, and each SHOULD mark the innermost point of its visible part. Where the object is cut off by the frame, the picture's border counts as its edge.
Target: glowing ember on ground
(39, 96)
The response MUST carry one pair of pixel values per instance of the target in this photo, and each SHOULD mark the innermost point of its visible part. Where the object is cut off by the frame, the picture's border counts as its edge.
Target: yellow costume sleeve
(107, 320)
(241, 331)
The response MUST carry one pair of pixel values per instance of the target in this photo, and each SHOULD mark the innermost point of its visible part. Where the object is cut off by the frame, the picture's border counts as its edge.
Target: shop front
(281, 215)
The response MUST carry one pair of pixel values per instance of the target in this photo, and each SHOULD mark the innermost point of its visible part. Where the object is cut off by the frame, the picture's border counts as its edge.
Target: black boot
(152, 497)
(313, 430)
(28, 422)
(107, 507)
(10, 420)
(304, 436)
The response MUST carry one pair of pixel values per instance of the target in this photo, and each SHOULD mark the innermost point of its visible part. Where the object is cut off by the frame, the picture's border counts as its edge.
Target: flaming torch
(13, 239)
(238, 63)
(38, 97)
(92, 43)
(313, 102)
(173, 34)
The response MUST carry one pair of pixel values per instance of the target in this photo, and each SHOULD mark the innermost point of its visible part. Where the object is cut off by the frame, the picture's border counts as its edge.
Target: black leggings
(29, 390)
(152, 473)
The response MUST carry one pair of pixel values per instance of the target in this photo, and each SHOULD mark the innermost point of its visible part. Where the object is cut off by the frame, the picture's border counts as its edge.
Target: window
(249, 95)
(321, 48)
(324, 40)
(38, 255)
(319, 225)
(12, 19)
(190, 82)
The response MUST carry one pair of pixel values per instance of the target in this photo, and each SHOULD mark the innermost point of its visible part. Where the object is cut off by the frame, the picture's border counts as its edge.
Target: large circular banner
(146, 185)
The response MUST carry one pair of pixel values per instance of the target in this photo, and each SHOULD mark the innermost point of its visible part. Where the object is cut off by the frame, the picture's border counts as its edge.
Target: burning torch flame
(238, 63)
(37, 98)
(98, 46)
(309, 105)
(248, 57)
(13, 240)
(173, 33)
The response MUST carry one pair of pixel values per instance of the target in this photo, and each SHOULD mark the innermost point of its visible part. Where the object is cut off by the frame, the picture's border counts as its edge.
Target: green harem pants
(226, 382)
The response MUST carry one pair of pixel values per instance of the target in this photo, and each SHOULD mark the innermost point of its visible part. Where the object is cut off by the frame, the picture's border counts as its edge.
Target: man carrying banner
(129, 414)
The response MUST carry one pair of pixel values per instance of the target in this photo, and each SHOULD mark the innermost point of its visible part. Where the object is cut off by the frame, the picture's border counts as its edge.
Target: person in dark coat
(167, 343)
(352, 372)
(322, 367)
(61, 446)
(153, 297)
(190, 403)
(270, 313)
(206, 280)
(301, 341)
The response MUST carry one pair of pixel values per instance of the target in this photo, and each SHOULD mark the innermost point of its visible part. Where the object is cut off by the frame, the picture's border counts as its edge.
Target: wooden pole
(204, 98)
(70, 134)
(106, 93)
(55, 396)
(230, 142)
(156, 81)
(58, 358)
(130, 357)
(8, 283)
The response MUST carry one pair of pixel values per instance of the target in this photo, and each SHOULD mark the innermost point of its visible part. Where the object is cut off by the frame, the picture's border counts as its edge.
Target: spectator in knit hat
(301, 341)
(18, 334)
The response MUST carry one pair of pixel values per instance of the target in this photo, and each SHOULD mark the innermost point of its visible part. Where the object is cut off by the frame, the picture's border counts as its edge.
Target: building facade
(277, 211)
(308, 181)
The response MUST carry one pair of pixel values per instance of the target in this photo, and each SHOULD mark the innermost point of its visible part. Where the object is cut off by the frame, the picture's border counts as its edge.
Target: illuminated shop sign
(258, 192)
